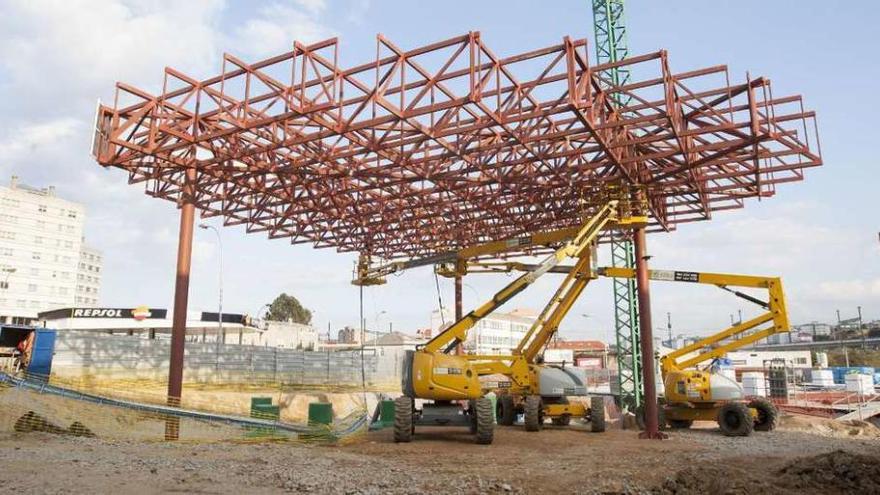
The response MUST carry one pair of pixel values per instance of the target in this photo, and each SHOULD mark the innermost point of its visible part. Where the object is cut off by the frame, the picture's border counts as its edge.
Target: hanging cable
(439, 300)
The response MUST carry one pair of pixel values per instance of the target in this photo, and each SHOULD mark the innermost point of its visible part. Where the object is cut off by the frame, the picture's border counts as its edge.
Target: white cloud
(276, 26)
(312, 6)
(21, 142)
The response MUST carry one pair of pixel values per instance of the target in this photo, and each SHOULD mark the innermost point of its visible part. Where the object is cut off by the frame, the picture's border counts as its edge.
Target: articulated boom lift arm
(737, 336)
(576, 247)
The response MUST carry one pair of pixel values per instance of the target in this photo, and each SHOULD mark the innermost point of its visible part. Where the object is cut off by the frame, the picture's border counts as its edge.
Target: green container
(320, 413)
(386, 413)
(267, 412)
(262, 408)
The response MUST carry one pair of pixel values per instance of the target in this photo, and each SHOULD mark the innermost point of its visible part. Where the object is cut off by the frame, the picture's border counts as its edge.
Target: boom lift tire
(403, 419)
(506, 410)
(768, 415)
(597, 414)
(534, 416)
(735, 419)
(485, 421)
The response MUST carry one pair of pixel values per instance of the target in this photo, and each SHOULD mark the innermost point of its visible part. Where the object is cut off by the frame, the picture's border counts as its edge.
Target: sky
(57, 58)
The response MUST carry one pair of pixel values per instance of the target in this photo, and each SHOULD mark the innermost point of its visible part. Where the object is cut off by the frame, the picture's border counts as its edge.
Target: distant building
(498, 333)
(581, 353)
(814, 329)
(88, 276)
(394, 344)
(284, 334)
(754, 360)
(42, 255)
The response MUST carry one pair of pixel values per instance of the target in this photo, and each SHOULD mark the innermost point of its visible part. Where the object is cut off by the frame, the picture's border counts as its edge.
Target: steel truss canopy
(448, 145)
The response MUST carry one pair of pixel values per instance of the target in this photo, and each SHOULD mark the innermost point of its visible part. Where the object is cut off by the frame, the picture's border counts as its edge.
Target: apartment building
(41, 254)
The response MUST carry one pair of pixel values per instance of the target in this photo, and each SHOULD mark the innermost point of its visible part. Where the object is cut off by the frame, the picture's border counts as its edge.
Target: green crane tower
(609, 28)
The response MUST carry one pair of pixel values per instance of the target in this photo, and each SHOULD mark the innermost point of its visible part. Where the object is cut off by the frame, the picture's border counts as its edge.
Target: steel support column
(652, 429)
(181, 297)
(459, 310)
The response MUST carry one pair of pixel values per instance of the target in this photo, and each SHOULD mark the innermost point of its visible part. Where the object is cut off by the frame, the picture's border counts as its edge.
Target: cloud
(276, 26)
(31, 139)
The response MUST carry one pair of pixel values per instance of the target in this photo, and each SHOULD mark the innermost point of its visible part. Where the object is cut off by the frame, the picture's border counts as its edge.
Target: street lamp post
(862, 329)
(840, 337)
(380, 313)
(221, 337)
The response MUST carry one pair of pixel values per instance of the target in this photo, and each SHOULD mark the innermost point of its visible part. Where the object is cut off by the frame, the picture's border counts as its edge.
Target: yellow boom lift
(443, 380)
(693, 391)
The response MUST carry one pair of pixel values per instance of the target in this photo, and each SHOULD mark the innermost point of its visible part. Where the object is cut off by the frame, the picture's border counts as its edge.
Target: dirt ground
(793, 459)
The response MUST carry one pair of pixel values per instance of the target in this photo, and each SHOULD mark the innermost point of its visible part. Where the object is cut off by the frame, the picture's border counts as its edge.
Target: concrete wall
(81, 354)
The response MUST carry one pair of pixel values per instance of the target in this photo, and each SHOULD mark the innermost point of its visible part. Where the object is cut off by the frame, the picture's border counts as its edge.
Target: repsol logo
(97, 313)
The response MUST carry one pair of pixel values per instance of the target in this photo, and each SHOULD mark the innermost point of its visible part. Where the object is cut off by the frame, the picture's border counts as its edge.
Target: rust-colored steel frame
(448, 145)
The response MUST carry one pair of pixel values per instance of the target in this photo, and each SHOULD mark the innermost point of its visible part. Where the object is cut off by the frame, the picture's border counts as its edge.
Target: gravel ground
(438, 461)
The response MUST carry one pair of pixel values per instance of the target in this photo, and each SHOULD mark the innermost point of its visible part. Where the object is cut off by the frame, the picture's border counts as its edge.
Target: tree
(288, 308)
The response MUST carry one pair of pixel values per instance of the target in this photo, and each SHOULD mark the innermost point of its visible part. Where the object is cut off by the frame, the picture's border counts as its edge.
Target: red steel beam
(447, 145)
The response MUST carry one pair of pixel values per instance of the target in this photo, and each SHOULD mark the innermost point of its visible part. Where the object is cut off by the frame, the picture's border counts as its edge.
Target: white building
(41, 248)
(285, 335)
(88, 277)
(756, 359)
(498, 333)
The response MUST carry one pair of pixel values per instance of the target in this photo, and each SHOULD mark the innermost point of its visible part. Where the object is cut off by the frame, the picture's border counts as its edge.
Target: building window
(35, 256)
(71, 214)
(41, 208)
(6, 252)
(5, 234)
(68, 244)
(38, 240)
(35, 272)
(32, 287)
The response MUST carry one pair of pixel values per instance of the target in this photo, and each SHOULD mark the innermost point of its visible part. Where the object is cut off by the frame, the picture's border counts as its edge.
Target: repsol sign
(97, 313)
(139, 313)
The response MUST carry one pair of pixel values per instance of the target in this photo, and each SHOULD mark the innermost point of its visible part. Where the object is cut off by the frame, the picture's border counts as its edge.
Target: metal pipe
(652, 428)
(181, 296)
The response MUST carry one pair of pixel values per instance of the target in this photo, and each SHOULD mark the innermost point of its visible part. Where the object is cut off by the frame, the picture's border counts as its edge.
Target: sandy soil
(447, 461)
